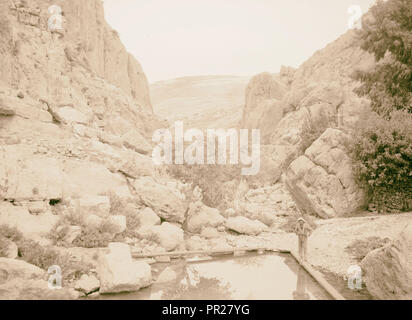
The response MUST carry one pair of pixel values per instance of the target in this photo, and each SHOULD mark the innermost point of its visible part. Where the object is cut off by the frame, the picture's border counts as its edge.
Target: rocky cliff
(75, 114)
(296, 107)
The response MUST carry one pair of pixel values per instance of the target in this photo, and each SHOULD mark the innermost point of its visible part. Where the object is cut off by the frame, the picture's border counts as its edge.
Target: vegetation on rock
(383, 141)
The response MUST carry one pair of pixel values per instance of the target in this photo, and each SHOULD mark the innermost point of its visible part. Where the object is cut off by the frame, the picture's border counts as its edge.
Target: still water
(250, 277)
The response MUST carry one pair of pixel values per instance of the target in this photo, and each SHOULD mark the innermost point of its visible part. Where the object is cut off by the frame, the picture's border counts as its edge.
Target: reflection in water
(270, 277)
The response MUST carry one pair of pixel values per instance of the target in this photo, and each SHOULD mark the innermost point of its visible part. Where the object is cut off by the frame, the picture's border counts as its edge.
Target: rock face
(119, 273)
(98, 50)
(387, 271)
(321, 180)
(295, 107)
(75, 120)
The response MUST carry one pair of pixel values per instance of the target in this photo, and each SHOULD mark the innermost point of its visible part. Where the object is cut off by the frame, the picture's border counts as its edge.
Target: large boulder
(87, 284)
(200, 216)
(246, 226)
(161, 199)
(321, 181)
(12, 268)
(33, 227)
(68, 115)
(20, 280)
(119, 273)
(387, 271)
(167, 235)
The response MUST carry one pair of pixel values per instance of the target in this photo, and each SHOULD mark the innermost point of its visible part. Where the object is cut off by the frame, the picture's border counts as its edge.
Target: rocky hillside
(201, 102)
(75, 114)
(306, 116)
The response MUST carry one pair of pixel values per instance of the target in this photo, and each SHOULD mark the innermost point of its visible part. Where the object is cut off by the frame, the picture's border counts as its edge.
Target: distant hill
(202, 101)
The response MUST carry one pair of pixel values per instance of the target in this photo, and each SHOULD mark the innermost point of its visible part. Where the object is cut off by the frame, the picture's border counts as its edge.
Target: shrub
(10, 233)
(382, 153)
(360, 248)
(45, 257)
(209, 178)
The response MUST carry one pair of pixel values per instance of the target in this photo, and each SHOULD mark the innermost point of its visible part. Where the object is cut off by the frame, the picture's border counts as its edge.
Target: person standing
(303, 231)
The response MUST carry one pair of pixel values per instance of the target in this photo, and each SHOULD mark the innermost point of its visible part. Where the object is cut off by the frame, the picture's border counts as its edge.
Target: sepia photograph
(205, 155)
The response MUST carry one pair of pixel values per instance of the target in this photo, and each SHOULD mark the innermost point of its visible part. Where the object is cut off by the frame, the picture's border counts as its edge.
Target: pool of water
(249, 277)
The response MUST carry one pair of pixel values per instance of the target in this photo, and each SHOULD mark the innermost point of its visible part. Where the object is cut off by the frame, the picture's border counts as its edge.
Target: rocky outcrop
(200, 216)
(85, 39)
(295, 107)
(321, 181)
(387, 271)
(119, 273)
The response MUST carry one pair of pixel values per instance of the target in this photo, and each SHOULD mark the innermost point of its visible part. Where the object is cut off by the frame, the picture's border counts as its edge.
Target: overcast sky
(175, 38)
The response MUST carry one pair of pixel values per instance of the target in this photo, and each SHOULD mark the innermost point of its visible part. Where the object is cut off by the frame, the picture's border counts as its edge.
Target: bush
(382, 155)
(10, 233)
(360, 248)
(45, 257)
(210, 179)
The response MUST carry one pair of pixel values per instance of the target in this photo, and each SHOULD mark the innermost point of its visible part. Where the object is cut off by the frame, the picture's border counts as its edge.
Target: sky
(177, 38)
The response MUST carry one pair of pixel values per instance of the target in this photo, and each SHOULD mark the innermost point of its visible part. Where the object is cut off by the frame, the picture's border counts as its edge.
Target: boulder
(147, 217)
(245, 226)
(119, 273)
(209, 233)
(87, 284)
(161, 199)
(33, 227)
(68, 115)
(200, 216)
(12, 268)
(387, 271)
(117, 223)
(166, 235)
(321, 181)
